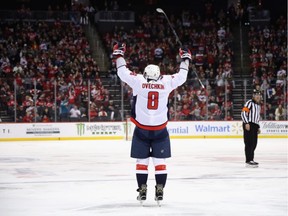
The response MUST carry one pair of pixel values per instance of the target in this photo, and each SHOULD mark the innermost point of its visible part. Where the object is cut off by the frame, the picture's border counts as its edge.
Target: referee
(250, 116)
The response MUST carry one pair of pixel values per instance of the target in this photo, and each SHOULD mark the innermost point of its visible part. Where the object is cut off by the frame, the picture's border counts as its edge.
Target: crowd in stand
(209, 39)
(39, 60)
(47, 59)
(268, 46)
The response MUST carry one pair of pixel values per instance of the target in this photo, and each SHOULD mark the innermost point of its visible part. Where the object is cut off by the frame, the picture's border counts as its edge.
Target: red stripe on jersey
(141, 167)
(160, 167)
(145, 127)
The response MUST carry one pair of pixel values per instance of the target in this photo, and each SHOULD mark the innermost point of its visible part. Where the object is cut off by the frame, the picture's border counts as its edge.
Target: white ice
(207, 177)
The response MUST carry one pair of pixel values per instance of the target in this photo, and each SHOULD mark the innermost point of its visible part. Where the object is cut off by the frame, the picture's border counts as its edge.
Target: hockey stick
(159, 10)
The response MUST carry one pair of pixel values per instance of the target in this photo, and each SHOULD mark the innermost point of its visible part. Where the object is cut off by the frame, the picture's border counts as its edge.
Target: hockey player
(150, 115)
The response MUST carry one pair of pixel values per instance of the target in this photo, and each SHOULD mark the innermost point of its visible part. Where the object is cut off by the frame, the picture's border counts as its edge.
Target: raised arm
(123, 72)
(181, 77)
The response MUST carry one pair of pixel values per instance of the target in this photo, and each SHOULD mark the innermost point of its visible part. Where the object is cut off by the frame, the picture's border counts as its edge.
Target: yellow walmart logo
(237, 128)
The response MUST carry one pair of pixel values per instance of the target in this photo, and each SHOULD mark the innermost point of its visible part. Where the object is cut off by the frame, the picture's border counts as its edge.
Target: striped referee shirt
(251, 112)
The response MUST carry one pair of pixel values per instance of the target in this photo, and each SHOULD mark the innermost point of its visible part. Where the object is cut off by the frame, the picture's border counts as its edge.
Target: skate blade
(141, 201)
(159, 203)
(158, 200)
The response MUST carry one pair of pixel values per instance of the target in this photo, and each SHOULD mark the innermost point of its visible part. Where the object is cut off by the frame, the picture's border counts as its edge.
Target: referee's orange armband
(245, 109)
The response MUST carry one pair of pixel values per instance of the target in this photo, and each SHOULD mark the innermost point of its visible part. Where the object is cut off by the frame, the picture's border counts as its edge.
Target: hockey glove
(119, 50)
(185, 54)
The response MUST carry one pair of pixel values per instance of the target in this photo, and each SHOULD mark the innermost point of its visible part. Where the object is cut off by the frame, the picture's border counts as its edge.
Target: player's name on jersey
(152, 86)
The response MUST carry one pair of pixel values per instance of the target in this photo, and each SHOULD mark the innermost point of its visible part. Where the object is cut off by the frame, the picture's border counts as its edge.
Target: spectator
(114, 114)
(221, 33)
(20, 114)
(93, 112)
(158, 53)
(45, 119)
(280, 113)
(228, 117)
(102, 115)
(270, 112)
(11, 105)
(64, 110)
(28, 117)
(172, 113)
(18, 69)
(74, 113)
(281, 75)
(270, 92)
(113, 74)
(195, 113)
(37, 117)
(47, 113)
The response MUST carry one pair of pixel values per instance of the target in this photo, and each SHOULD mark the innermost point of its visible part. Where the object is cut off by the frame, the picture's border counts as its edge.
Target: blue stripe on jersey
(168, 114)
(133, 107)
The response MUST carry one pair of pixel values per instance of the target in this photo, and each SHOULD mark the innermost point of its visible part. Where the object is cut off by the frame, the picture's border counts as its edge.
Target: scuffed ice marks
(17, 159)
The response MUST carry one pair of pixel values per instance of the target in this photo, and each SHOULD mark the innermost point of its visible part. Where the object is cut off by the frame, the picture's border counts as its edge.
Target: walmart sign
(212, 129)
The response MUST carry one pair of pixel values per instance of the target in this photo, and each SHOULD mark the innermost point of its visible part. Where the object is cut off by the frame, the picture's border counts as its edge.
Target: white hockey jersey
(150, 108)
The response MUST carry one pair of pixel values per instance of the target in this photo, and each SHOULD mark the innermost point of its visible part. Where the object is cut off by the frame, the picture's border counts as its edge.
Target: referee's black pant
(250, 140)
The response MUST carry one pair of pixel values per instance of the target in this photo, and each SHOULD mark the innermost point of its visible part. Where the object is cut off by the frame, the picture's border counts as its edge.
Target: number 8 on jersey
(153, 100)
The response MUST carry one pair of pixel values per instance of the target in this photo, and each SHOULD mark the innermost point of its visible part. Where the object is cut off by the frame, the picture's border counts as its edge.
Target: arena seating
(268, 55)
(40, 56)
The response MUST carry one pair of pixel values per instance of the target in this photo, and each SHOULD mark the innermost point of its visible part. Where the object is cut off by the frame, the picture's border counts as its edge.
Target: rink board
(119, 130)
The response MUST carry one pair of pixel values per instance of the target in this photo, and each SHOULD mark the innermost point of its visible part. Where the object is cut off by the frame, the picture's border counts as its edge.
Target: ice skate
(252, 164)
(159, 193)
(142, 193)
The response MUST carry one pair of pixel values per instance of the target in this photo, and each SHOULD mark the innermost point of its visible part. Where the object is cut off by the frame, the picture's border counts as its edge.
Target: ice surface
(207, 177)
